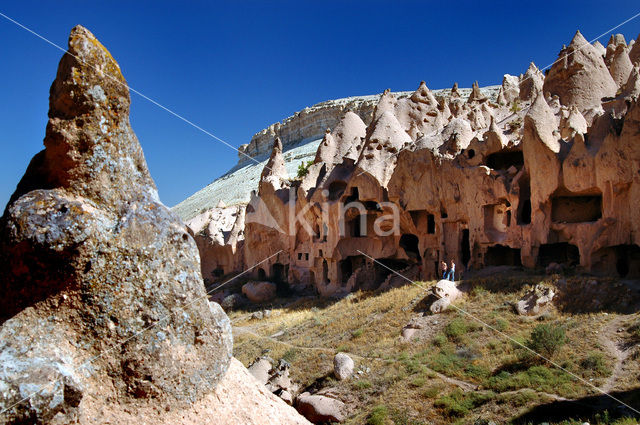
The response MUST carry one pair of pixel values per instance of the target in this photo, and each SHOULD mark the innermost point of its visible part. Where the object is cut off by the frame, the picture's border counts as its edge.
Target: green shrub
(378, 415)
(433, 391)
(455, 329)
(501, 324)
(595, 363)
(458, 403)
(357, 333)
(546, 339)
(290, 355)
(440, 340)
(362, 384)
(303, 168)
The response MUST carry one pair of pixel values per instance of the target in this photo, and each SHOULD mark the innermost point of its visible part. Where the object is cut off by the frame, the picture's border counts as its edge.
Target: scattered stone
(535, 301)
(343, 366)
(319, 409)
(259, 292)
(261, 369)
(446, 292)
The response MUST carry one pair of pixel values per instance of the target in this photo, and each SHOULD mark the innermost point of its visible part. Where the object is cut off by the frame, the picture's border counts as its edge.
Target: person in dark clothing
(443, 269)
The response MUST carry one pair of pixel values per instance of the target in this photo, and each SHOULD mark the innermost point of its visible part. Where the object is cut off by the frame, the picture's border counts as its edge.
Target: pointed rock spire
(476, 94)
(541, 122)
(510, 89)
(91, 149)
(386, 138)
(88, 255)
(634, 54)
(620, 66)
(455, 93)
(580, 76)
(387, 102)
(531, 83)
(600, 48)
(424, 95)
(275, 166)
(343, 142)
(494, 137)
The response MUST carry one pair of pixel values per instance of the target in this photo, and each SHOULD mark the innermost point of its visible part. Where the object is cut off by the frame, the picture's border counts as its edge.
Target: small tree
(546, 339)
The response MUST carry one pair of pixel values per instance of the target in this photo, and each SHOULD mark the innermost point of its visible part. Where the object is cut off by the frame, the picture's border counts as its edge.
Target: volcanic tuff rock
(548, 177)
(580, 77)
(103, 302)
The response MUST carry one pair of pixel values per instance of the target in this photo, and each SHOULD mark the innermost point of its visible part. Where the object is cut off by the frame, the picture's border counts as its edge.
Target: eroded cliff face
(104, 313)
(545, 172)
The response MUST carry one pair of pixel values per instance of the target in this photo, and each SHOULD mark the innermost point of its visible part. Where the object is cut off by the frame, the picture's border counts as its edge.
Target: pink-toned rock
(320, 409)
(259, 292)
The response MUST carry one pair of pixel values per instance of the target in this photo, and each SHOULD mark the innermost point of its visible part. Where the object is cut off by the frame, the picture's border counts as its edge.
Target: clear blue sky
(235, 67)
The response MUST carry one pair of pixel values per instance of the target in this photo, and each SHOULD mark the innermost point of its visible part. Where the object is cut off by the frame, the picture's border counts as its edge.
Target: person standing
(451, 274)
(443, 269)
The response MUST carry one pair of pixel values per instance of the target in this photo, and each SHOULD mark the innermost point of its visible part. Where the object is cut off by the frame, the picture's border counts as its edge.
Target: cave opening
(620, 260)
(465, 247)
(561, 253)
(348, 266)
(576, 209)
(357, 226)
(355, 195)
(523, 216)
(325, 272)
(262, 275)
(431, 224)
(504, 160)
(500, 255)
(336, 189)
(409, 242)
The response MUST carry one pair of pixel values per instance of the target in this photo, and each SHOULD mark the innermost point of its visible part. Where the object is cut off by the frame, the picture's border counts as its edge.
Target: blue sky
(235, 67)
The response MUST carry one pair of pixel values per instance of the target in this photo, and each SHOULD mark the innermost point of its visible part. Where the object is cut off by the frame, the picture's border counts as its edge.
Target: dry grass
(407, 382)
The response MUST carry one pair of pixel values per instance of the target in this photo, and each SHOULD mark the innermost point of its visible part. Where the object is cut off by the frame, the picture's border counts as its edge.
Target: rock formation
(104, 315)
(580, 77)
(544, 175)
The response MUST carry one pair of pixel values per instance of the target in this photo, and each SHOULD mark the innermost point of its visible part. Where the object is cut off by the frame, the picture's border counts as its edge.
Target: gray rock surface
(103, 302)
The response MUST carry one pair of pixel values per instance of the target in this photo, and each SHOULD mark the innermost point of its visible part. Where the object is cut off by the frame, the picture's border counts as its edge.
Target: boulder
(259, 292)
(320, 409)
(260, 369)
(535, 301)
(446, 292)
(343, 366)
(104, 314)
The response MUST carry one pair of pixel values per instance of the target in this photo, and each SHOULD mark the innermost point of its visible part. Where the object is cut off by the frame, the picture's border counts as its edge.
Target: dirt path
(609, 339)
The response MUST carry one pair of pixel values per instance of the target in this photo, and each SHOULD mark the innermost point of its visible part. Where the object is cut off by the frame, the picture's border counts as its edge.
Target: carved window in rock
(576, 209)
(500, 255)
(503, 160)
(423, 221)
(497, 219)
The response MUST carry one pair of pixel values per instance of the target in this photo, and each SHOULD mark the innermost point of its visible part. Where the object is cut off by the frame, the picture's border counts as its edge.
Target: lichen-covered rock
(103, 301)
